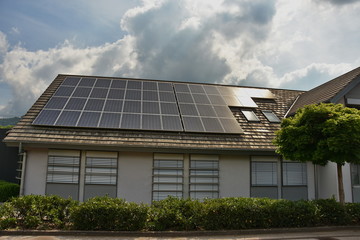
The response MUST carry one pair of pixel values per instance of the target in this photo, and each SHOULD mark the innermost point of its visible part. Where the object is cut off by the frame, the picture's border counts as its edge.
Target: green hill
(9, 121)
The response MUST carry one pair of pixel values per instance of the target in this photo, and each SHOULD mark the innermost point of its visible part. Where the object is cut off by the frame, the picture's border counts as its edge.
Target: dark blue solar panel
(212, 125)
(150, 86)
(167, 97)
(165, 87)
(184, 98)
(151, 122)
(102, 83)
(172, 123)
(211, 89)
(188, 109)
(217, 100)
(118, 83)
(68, 118)
(151, 107)
(82, 92)
(206, 110)
(94, 105)
(116, 94)
(75, 104)
(201, 99)
(169, 108)
(223, 112)
(193, 124)
(110, 120)
(64, 91)
(183, 88)
(132, 106)
(133, 95)
(71, 81)
(130, 121)
(47, 117)
(132, 84)
(56, 103)
(99, 93)
(113, 106)
(196, 89)
(150, 96)
(89, 119)
(87, 82)
(231, 125)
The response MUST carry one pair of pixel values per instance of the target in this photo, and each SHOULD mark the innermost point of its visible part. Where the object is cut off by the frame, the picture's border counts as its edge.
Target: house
(143, 140)
(8, 159)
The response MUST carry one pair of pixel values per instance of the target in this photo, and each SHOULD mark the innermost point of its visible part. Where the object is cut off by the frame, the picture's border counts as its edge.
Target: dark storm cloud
(167, 48)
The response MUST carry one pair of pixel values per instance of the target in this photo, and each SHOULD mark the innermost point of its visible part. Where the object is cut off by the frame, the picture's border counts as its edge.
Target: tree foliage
(321, 133)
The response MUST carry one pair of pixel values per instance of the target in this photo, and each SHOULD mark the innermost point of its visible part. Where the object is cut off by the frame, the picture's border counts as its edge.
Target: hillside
(9, 121)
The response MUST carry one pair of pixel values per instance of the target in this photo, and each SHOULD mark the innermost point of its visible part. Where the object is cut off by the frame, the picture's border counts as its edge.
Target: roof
(256, 136)
(330, 91)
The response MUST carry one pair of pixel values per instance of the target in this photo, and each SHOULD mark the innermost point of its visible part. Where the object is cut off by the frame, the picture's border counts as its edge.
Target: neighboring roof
(256, 137)
(330, 91)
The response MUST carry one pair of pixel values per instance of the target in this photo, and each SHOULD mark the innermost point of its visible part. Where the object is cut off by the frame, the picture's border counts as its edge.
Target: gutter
(22, 157)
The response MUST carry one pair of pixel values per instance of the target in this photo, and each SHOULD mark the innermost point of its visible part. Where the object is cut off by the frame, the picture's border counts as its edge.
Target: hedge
(8, 190)
(111, 214)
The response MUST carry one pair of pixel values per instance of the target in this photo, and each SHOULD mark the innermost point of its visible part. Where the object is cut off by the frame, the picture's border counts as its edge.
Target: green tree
(321, 133)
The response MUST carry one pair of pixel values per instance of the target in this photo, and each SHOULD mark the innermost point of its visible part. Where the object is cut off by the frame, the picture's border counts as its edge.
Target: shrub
(236, 213)
(8, 190)
(353, 210)
(331, 212)
(174, 214)
(105, 213)
(36, 212)
(286, 213)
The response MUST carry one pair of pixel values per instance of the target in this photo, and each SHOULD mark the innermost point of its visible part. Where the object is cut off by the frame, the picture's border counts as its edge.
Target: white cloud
(286, 44)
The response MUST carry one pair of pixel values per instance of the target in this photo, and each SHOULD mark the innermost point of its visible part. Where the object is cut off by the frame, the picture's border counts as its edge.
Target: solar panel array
(146, 105)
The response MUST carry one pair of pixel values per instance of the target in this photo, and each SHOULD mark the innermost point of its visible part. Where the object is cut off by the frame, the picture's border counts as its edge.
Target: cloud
(338, 2)
(285, 44)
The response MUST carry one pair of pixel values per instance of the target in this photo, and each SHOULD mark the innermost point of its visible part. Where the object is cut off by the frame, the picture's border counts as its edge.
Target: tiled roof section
(256, 137)
(326, 91)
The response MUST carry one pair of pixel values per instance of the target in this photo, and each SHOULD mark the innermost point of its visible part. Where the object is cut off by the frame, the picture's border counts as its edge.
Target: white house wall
(35, 173)
(234, 176)
(134, 181)
(135, 176)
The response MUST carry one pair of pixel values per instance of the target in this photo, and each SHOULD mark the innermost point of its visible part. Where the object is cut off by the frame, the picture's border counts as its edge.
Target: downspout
(22, 156)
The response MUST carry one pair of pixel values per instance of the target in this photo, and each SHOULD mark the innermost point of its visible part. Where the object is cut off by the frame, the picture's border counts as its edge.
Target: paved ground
(305, 234)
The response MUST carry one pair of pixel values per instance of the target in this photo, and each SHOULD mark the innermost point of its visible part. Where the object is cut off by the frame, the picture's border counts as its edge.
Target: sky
(262, 43)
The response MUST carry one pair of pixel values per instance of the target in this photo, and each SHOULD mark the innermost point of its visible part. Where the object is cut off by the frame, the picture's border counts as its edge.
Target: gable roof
(330, 91)
(256, 136)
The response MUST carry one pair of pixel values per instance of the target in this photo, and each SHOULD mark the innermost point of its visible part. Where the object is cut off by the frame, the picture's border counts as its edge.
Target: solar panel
(146, 105)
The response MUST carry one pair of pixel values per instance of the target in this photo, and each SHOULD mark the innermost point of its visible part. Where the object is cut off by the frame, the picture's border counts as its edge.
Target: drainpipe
(22, 156)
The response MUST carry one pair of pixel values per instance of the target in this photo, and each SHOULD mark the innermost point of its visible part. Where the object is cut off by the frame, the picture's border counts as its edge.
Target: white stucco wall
(234, 176)
(328, 181)
(35, 173)
(135, 176)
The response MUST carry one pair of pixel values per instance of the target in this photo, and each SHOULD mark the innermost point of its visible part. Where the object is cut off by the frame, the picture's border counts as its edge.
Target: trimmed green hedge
(105, 213)
(8, 190)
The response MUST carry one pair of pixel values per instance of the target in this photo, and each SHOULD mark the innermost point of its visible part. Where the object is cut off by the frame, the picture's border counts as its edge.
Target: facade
(8, 159)
(143, 140)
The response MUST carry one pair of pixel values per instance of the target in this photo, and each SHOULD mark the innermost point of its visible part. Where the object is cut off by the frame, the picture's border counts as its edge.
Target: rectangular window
(63, 169)
(294, 174)
(204, 176)
(271, 116)
(101, 171)
(250, 116)
(355, 174)
(168, 171)
(264, 173)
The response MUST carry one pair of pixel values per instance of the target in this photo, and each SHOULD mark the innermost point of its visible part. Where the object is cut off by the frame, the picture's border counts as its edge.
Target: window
(271, 116)
(204, 176)
(263, 173)
(250, 116)
(63, 169)
(355, 174)
(294, 174)
(167, 176)
(101, 170)
(63, 172)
